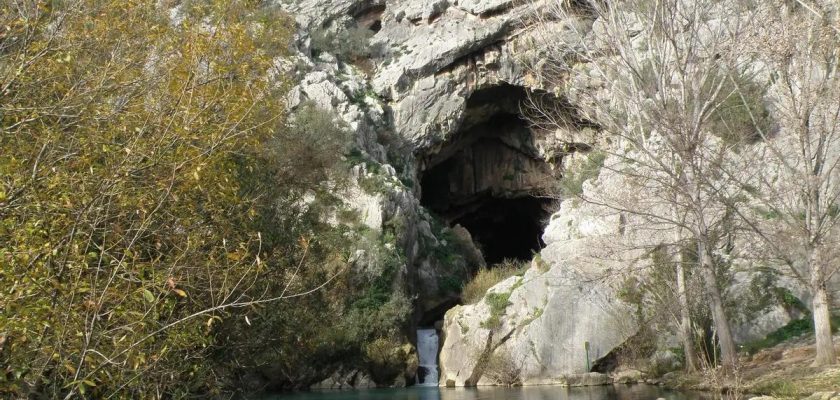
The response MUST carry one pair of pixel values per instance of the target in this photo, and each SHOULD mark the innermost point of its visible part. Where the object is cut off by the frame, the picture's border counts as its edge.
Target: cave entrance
(490, 177)
(507, 228)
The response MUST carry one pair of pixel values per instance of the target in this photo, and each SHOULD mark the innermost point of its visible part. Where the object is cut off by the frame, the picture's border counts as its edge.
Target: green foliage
(448, 251)
(571, 184)
(160, 216)
(498, 303)
(792, 330)
(450, 284)
(762, 294)
(387, 358)
(348, 44)
(486, 278)
(741, 116)
(533, 316)
(306, 149)
(779, 388)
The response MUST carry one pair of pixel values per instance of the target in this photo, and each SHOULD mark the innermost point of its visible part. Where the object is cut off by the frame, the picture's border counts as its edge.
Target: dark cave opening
(371, 17)
(507, 228)
(489, 176)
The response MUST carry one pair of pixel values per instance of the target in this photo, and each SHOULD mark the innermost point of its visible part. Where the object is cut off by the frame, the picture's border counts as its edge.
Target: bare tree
(653, 76)
(795, 215)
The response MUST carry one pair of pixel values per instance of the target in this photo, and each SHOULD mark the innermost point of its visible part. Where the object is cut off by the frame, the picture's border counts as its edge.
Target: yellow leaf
(70, 367)
(180, 292)
(148, 296)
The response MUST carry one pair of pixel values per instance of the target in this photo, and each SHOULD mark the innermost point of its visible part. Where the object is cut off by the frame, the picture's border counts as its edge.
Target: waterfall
(427, 350)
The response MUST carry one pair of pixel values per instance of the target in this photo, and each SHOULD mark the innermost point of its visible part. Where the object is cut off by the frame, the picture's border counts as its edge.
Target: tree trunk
(822, 321)
(685, 319)
(728, 353)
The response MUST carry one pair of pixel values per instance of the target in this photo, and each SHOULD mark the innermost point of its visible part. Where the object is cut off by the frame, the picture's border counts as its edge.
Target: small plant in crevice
(571, 183)
(347, 44)
(498, 303)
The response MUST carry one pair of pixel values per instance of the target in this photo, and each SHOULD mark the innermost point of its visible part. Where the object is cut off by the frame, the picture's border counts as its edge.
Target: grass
(777, 388)
(792, 330)
(486, 278)
(785, 377)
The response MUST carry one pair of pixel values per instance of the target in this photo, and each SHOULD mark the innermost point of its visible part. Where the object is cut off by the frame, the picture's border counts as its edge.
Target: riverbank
(781, 371)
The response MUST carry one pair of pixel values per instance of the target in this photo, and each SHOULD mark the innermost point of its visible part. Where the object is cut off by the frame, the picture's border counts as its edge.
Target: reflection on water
(619, 392)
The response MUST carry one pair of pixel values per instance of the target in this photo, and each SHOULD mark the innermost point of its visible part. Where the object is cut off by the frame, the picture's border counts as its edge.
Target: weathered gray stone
(432, 57)
(483, 6)
(628, 376)
(415, 10)
(585, 379)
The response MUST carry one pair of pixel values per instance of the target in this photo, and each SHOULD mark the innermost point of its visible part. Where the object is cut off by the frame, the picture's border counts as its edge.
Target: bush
(503, 369)
(792, 330)
(347, 44)
(161, 218)
(304, 152)
(488, 277)
(742, 115)
(498, 303)
(571, 184)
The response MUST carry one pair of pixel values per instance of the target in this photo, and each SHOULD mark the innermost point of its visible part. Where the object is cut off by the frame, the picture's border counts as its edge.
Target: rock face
(551, 317)
(437, 121)
(449, 84)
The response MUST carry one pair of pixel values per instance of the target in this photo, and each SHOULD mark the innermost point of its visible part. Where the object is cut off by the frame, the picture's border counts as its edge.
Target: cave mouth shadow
(489, 175)
(507, 228)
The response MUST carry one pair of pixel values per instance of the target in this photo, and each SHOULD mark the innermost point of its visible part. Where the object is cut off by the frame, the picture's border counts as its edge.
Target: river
(617, 392)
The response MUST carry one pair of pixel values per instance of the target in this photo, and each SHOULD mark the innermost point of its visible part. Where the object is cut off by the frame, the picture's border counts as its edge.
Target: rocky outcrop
(444, 100)
(346, 380)
(448, 84)
(548, 317)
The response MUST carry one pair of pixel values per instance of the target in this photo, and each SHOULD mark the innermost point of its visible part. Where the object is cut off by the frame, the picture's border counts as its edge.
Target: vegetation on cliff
(157, 200)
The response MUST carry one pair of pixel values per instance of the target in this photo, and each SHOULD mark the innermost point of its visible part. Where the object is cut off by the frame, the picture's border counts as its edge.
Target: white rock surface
(552, 314)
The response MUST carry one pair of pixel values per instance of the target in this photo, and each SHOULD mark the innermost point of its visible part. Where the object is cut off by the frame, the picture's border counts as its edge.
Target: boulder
(628, 376)
(549, 318)
(585, 379)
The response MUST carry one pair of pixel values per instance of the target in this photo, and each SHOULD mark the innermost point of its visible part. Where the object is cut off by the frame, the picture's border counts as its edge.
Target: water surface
(618, 392)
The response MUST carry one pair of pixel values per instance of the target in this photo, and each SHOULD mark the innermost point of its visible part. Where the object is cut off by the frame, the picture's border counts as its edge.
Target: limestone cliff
(436, 108)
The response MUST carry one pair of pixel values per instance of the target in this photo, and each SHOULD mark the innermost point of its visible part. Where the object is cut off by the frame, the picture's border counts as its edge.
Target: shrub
(502, 368)
(742, 114)
(792, 330)
(571, 184)
(303, 152)
(498, 303)
(347, 44)
(156, 203)
(486, 278)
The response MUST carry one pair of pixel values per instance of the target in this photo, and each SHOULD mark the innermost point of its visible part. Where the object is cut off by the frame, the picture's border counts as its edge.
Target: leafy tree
(151, 198)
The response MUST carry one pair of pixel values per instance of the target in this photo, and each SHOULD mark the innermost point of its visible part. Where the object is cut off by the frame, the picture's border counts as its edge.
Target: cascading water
(427, 350)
